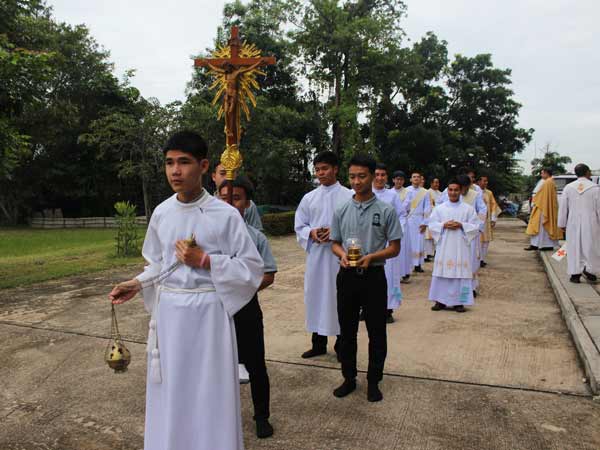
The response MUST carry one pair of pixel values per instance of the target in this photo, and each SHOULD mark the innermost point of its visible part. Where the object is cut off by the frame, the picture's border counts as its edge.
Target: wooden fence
(80, 222)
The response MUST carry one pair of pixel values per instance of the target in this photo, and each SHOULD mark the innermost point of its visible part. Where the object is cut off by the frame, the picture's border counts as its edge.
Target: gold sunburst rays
(246, 80)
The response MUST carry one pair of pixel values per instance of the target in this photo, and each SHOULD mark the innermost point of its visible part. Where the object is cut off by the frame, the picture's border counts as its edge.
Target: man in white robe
(420, 208)
(392, 266)
(434, 195)
(453, 226)
(312, 225)
(405, 256)
(202, 268)
(579, 216)
(474, 198)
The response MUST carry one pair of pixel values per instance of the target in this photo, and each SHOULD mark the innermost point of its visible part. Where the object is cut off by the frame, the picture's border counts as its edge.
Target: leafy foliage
(127, 238)
(73, 136)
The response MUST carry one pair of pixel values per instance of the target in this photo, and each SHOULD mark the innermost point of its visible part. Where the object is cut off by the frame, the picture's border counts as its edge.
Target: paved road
(481, 380)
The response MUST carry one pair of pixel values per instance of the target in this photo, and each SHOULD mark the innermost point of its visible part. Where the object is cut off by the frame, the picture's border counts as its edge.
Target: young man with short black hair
(312, 224)
(393, 266)
(453, 225)
(420, 208)
(375, 224)
(251, 215)
(249, 329)
(202, 268)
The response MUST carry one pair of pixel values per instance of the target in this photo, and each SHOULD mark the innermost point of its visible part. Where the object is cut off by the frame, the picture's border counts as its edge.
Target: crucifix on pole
(234, 68)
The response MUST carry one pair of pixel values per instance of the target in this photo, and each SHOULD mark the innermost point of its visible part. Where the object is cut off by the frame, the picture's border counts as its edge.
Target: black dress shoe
(347, 387)
(589, 276)
(482, 264)
(475, 294)
(438, 306)
(575, 278)
(263, 428)
(460, 309)
(314, 352)
(547, 249)
(530, 248)
(389, 319)
(419, 269)
(373, 393)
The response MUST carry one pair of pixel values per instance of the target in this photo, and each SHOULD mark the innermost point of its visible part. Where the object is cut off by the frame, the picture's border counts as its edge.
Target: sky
(552, 47)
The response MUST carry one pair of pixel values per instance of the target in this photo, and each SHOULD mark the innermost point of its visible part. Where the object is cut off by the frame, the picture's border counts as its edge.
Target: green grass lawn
(31, 255)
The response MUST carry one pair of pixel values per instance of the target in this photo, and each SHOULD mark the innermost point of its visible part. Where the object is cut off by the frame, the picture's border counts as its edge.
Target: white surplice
(579, 213)
(417, 216)
(405, 255)
(429, 243)
(192, 390)
(393, 266)
(542, 239)
(452, 272)
(320, 294)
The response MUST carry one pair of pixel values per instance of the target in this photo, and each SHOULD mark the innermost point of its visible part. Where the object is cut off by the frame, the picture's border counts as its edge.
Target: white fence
(80, 222)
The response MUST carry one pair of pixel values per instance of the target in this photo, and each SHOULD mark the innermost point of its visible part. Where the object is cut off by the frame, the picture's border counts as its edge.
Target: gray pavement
(580, 305)
(487, 379)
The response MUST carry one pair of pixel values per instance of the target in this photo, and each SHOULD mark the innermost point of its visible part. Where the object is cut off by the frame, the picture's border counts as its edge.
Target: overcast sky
(552, 47)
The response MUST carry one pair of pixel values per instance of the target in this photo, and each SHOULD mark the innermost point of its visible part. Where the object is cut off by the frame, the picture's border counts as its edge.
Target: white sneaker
(244, 375)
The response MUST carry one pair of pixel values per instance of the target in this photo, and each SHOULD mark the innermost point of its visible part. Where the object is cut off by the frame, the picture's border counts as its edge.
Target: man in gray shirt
(374, 223)
(249, 320)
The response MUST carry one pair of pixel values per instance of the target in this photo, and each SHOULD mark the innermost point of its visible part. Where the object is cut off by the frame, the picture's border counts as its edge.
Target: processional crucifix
(234, 68)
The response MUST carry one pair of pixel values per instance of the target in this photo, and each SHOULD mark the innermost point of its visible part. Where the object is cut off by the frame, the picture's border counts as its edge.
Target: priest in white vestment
(420, 208)
(405, 256)
(202, 268)
(434, 195)
(474, 198)
(392, 266)
(579, 216)
(453, 225)
(312, 225)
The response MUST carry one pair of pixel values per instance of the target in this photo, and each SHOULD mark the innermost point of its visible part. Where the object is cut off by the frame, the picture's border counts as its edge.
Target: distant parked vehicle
(560, 181)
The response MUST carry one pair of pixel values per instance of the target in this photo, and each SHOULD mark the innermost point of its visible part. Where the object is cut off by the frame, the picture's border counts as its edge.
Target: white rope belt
(152, 346)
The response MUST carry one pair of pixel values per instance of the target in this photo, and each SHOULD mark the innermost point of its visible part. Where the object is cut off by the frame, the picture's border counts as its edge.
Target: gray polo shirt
(374, 222)
(252, 216)
(263, 247)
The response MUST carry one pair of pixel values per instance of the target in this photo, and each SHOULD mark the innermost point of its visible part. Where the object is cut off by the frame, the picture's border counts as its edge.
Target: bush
(127, 231)
(278, 224)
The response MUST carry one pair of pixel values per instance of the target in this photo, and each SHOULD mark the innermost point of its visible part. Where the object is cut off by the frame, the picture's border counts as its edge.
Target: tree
(551, 160)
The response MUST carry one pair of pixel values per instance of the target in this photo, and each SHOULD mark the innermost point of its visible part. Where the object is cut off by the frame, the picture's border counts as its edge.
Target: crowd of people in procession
(205, 315)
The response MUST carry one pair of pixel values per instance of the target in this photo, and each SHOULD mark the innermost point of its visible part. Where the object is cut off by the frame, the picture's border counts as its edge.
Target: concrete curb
(585, 346)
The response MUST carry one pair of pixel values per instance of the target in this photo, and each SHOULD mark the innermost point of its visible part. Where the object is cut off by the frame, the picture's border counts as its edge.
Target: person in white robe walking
(405, 256)
(453, 225)
(312, 224)
(202, 268)
(579, 217)
(434, 194)
(420, 208)
(392, 266)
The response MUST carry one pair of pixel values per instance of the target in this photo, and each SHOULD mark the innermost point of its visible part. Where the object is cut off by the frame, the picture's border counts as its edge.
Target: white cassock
(405, 256)
(393, 266)
(474, 198)
(579, 213)
(320, 294)
(451, 281)
(192, 388)
(429, 247)
(420, 208)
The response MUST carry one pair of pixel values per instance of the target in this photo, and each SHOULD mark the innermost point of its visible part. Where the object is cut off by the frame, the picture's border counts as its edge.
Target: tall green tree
(550, 160)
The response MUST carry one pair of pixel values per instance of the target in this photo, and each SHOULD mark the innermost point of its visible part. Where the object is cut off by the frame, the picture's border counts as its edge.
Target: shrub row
(278, 224)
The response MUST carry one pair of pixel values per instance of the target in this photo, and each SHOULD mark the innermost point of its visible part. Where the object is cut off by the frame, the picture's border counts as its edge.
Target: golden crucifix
(234, 68)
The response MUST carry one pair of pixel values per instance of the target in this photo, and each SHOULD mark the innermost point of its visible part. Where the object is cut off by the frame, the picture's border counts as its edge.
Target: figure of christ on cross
(234, 90)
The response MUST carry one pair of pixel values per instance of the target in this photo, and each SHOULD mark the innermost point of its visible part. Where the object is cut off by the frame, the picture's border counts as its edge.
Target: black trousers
(367, 289)
(320, 342)
(250, 337)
